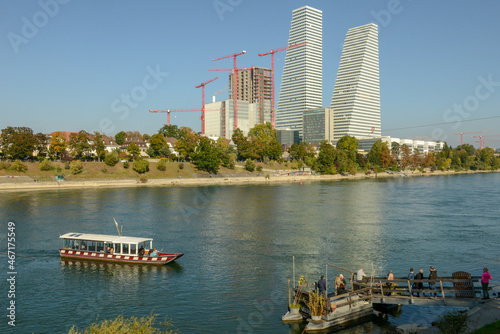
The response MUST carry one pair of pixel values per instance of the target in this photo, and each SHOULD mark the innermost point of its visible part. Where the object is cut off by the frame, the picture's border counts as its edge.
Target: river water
(238, 243)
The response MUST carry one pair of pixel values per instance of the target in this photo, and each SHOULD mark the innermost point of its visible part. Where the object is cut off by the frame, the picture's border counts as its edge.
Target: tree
(170, 131)
(58, 144)
(326, 159)
(164, 151)
(111, 159)
(80, 143)
(375, 154)
(98, 145)
(41, 147)
(120, 137)
(264, 142)
(156, 142)
(141, 166)
(385, 155)
(405, 155)
(348, 143)
(187, 142)
(17, 142)
(395, 147)
(133, 150)
(250, 165)
(207, 155)
(146, 137)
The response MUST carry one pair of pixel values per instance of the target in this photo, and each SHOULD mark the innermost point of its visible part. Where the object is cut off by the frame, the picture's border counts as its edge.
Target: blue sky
(70, 65)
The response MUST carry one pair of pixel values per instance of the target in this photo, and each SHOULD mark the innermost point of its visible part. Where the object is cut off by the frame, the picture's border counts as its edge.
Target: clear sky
(100, 65)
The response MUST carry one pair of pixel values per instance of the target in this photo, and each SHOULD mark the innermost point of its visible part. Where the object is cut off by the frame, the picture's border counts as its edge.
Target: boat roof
(103, 237)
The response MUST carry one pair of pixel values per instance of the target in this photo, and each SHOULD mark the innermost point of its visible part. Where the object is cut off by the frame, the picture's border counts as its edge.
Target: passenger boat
(113, 248)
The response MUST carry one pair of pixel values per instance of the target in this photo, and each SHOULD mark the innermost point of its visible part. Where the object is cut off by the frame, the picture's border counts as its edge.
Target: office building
(356, 96)
(317, 125)
(301, 86)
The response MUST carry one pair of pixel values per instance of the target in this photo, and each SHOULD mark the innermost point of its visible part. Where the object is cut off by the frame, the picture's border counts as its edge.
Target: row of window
(103, 247)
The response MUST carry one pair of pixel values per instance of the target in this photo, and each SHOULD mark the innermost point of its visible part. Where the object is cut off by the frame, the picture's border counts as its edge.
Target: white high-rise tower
(356, 96)
(301, 84)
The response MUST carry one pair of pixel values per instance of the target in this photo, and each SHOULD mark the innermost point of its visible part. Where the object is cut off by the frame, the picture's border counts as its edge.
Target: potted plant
(316, 304)
(295, 305)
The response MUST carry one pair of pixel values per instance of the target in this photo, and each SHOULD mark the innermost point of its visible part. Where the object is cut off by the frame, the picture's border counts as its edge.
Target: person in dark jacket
(322, 285)
(419, 285)
(433, 274)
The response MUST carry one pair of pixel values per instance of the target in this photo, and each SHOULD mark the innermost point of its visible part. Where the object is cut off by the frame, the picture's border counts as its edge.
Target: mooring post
(442, 290)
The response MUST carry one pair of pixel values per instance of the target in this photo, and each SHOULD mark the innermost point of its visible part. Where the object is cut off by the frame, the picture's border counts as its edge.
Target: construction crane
(272, 52)
(235, 90)
(466, 133)
(480, 141)
(202, 85)
(168, 111)
(235, 95)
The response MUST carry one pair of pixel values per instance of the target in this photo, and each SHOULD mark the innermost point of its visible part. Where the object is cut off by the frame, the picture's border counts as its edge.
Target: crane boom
(202, 85)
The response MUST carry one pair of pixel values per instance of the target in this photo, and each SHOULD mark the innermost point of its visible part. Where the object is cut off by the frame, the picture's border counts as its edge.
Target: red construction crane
(168, 111)
(235, 95)
(203, 103)
(466, 133)
(272, 52)
(235, 90)
(482, 143)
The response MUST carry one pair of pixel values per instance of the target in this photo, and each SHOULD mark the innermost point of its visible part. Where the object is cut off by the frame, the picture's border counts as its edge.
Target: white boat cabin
(111, 244)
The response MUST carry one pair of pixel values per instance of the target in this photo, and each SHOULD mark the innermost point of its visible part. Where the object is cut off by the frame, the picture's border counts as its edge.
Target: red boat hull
(161, 259)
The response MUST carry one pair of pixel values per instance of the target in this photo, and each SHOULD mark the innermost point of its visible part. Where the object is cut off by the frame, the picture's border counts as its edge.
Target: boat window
(67, 243)
(108, 246)
(75, 244)
(92, 246)
(83, 244)
(133, 249)
(125, 248)
(117, 248)
(100, 246)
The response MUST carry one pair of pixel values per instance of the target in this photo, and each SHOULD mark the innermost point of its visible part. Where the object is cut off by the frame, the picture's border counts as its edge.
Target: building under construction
(254, 86)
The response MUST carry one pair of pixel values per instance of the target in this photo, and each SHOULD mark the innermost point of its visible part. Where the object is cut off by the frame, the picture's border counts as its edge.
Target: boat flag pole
(117, 227)
(294, 270)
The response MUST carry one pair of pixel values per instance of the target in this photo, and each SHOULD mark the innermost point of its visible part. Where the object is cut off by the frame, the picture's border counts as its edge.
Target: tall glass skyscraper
(301, 85)
(356, 96)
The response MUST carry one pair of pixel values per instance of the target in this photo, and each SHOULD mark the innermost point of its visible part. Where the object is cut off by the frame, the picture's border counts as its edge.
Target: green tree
(111, 159)
(133, 150)
(405, 155)
(45, 165)
(41, 146)
(76, 167)
(250, 165)
(98, 145)
(164, 151)
(348, 144)
(162, 165)
(187, 142)
(141, 166)
(375, 154)
(18, 166)
(17, 142)
(207, 155)
(264, 142)
(80, 143)
(325, 164)
(170, 131)
(120, 137)
(485, 155)
(58, 144)
(156, 142)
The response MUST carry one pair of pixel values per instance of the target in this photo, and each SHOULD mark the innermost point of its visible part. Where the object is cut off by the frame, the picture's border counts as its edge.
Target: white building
(302, 81)
(356, 96)
(219, 117)
(423, 146)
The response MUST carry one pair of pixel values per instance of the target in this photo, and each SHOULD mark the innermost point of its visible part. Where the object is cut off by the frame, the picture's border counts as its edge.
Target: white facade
(219, 117)
(302, 81)
(356, 96)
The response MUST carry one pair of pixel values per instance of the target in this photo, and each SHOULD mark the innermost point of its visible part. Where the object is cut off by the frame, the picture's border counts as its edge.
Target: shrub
(143, 179)
(4, 165)
(258, 169)
(125, 164)
(250, 165)
(141, 166)
(104, 170)
(127, 325)
(18, 166)
(67, 165)
(45, 165)
(59, 169)
(181, 165)
(268, 176)
(111, 159)
(453, 322)
(76, 167)
(162, 165)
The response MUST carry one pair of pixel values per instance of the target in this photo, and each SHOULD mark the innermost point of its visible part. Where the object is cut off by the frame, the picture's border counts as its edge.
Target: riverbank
(478, 317)
(27, 183)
